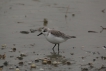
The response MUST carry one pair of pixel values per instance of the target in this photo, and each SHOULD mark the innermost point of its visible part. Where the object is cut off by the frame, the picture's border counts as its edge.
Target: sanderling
(54, 36)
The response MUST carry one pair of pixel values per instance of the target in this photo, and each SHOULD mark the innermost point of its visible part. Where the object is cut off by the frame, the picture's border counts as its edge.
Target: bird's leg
(58, 48)
(53, 47)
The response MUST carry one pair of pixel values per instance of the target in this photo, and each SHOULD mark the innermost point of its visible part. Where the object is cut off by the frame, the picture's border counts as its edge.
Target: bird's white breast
(53, 39)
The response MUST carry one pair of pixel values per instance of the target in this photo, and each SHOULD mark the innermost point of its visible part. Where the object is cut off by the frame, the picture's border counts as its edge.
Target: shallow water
(22, 15)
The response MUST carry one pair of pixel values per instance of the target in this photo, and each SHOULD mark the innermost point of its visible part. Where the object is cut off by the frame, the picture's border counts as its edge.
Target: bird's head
(43, 30)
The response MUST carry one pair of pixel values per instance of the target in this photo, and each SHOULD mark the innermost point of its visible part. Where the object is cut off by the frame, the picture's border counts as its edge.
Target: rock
(4, 45)
(33, 66)
(22, 54)
(24, 32)
(10, 50)
(49, 62)
(21, 63)
(20, 58)
(45, 22)
(1, 67)
(11, 68)
(84, 69)
(5, 63)
(44, 62)
(41, 69)
(68, 63)
(3, 56)
(54, 62)
(14, 49)
(29, 63)
(92, 32)
(37, 60)
(17, 69)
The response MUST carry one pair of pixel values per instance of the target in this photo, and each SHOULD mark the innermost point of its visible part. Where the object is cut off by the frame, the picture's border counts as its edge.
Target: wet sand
(82, 16)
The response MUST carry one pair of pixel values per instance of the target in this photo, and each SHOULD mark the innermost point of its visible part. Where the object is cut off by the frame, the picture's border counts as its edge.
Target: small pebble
(41, 69)
(29, 63)
(11, 68)
(37, 60)
(22, 54)
(44, 62)
(19, 57)
(4, 45)
(68, 63)
(54, 62)
(14, 49)
(21, 63)
(5, 63)
(49, 62)
(33, 66)
(104, 47)
(3, 56)
(10, 50)
(17, 69)
(1, 67)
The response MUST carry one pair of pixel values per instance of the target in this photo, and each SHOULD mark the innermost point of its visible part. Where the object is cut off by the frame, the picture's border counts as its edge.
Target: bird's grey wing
(58, 34)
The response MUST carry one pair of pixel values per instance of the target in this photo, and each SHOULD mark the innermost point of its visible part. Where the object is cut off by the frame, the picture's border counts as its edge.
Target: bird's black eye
(45, 30)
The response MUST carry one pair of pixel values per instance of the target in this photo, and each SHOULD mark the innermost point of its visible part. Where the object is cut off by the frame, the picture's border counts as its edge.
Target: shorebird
(54, 36)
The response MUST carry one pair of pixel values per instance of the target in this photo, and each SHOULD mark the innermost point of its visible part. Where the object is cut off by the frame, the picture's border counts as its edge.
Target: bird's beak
(39, 34)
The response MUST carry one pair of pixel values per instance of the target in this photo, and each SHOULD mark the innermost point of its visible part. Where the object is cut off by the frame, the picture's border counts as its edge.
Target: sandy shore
(82, 16)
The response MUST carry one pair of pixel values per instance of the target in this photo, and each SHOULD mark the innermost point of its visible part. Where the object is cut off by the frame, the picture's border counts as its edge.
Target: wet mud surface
(21, 48)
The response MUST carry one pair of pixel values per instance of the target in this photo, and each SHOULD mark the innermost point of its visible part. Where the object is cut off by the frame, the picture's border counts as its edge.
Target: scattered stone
(32, 30)
(94, 59)
(24, 32)
(22, 54)
(89, 63)
(14, 44)
(14, 49)
(3, 56)
(32, 44)
(73, 15)
(1, 67)
(103, 11)
(20, 58)
(0, 56)
(4, 45)
(17, 69)
(68, 63)
(92, 32)
(10, 50)
(33, 66)
(49, 62)
(65, 16)
(54, 62)
(29, 63)
(104, 47)
(5, 63)
(37, 60)
(11, 56)
(102, 68)
(19, 22)
(45, 22)
(41, 69)
(44, 62)
(21, 63)
(11, 68)
(72, 53)
(84, 69)
(103, 58)
(73, 36)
